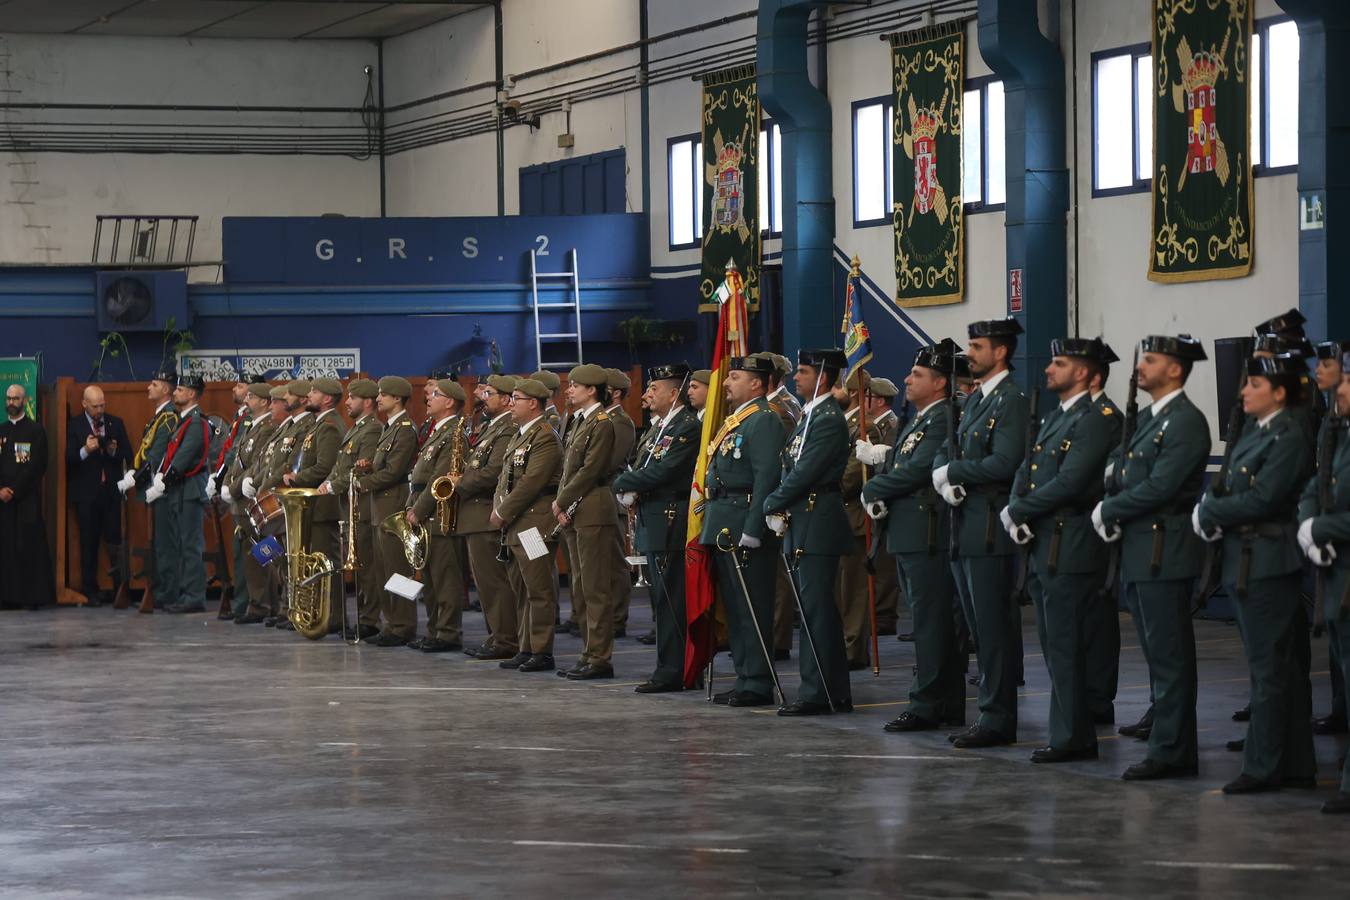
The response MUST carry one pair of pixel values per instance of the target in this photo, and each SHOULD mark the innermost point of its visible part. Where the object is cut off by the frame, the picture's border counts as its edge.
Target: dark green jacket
(1055, 494)
(1258, 513)
(1159, 480)
(917, 519)
(813, 465)
(992, 439)
(743, 470)
(1333, 525)
(189, 455)
(662, 477)
(1116, 420)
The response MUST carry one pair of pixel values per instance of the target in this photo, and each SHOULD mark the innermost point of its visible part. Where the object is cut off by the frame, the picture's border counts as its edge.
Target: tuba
(412, 537)
(443, 488)
(308, 575)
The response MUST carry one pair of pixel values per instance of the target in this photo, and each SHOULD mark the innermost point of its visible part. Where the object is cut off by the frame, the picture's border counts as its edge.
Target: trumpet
(350, 563)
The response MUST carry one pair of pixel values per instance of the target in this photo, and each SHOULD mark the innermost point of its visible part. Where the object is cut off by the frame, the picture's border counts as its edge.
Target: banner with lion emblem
(730, 182)
(929, 78)
(1202, 185)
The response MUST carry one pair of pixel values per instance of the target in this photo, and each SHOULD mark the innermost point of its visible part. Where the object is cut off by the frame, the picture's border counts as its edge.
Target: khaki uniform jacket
(529, 481)
(357, 444)
(433, 461)
(387, 483)
(482, 471)
(851, 485)
(888, 426)
(262, 458)
(587, 469)
(250, 446)
(315, 457)
(291, 435)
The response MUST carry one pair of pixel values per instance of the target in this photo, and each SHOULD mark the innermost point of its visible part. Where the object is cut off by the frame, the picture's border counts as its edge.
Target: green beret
(278, 393)
(330, 386)
(589, 374)
(395, 386)
(548, 379)
(261, 390)
(363, 388)
(504, 383)
(298, 388)
(531, 388)
(883, 387)
(702, 376)
(617, 380)
(451, 389)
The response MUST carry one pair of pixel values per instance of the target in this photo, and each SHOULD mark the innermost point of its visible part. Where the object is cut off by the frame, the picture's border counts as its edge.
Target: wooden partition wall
(127, 401)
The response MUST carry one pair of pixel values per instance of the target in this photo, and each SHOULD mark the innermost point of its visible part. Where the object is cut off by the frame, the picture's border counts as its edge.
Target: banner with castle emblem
(929, 69)
(1202, 184)
(730, 182)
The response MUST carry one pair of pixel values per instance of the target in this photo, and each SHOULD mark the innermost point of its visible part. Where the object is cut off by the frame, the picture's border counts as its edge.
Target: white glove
(1195, 526)
(940, 478)
(158, 481)
(627, 499)
(751, 543)
(210, 489)
(876, 509)
(869, 454)
(1305, 535)
(1322, 555)
(1021, 534)
(225, 494)
(777, 523)
(155, 491)
(1109, 535)
(246, 486)
(127, 483)
(954, 494)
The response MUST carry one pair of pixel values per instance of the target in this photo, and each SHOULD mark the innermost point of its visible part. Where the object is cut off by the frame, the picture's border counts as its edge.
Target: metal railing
(144, 240)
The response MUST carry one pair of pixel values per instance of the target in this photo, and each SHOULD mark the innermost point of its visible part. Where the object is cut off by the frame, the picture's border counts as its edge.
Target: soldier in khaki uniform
(625, 436)
(262, 593)
(851, 588)
(789, 412)
(586, 514)
(355, 452)
(523, 503)
(699, 380)
(384, 490)
(310, 465)
(249, 441)
(881, 393)
(289, 437)
(556, 419)
(446, 556)
(474, 489)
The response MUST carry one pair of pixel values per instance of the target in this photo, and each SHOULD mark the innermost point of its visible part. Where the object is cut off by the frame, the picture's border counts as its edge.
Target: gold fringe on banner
(929, 32)
(726, 76)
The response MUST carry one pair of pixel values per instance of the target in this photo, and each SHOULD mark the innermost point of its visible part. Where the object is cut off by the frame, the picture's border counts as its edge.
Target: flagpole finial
(855, 267)
(731, 265)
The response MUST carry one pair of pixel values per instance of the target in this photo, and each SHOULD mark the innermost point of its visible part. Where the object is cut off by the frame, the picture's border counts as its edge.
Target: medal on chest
(908, 445)
(518, 458)
(795, 448)
(22, 452)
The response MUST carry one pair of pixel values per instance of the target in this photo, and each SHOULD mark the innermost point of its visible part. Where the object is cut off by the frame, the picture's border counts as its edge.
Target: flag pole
(864, 384)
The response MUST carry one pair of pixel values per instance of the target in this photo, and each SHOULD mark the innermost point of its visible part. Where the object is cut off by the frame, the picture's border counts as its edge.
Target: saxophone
(443, 488)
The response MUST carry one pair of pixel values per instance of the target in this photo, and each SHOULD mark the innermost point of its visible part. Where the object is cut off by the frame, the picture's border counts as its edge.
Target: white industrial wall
(53, 219)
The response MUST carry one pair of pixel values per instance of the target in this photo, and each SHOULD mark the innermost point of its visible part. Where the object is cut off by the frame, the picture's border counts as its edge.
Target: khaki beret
(702, 376)
(548, 379)
(504, 383)
(395, 386)
(330, 386)
(531, 388)
(278, 393)
(883, 387)
(363, 388)
(261, 390)
(617, 380)
(589, 374)
(298, 388)
(781, 364)
(451, 389)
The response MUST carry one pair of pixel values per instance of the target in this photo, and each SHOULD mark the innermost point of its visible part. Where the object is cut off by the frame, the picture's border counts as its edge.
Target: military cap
(363, 388)
(330, 386)
(195, 382)
(940, 357)
(782, 366)
(260, 389)
(617, 380)
(298, 388)
(1332, 349)
(451, 389)
(531, 388)
(678, 371)
(1008, 327)
(1284, 364)
(755, 365)
(1087, 348)
(395, 386)
(168, 376)
(1183, 346)
(829, 358)
(589, 374)
(1280, 344)
(548, 379)
(253, 378)
(1289, 324)
(278, 392)
(1109, 355)
(962, 366)
(702, 376)
(503, 383)
(883, 387)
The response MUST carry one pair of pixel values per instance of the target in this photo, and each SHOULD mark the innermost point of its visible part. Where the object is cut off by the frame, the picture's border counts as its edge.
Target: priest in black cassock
(25, 564)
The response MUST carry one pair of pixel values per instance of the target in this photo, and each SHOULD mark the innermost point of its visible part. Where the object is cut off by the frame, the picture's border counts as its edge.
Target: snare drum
(266, 515)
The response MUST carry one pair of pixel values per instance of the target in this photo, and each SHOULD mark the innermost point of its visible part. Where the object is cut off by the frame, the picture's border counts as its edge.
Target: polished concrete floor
(179, 756)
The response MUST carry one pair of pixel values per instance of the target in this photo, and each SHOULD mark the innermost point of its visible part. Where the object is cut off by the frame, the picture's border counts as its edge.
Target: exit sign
(1014, 290)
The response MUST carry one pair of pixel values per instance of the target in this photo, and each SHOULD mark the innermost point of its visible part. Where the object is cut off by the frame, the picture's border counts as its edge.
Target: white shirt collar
(884, 413)
(320, 416)
(816, 402)
(499, 417)
(987, 386)
(258, 419)
(93, 426)
(530, 424)
(670, 416)
(159, 409)
(1096, 395)
(18, 420)
(586, 413)
(739, 408)
(610, 409)
(700, 413)
(441, 424)
(1263, 422)
(1065, 404)
(395, 417)
(186, 411)
(1161, 403)
(926, 408)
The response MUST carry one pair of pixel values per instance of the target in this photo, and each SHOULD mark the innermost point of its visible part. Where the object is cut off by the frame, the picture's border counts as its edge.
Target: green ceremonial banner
(730, 181)
(1202, 185)
(929, 70)
(24, 372)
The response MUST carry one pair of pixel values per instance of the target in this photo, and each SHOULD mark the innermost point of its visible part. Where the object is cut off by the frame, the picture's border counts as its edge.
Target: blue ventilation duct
(1032, 70)
(803, 114)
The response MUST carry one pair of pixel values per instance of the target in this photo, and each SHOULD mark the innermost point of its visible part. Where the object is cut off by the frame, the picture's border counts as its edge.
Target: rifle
(1113, 485)
(1326, 451)
(1024, 553)
(1210, 570)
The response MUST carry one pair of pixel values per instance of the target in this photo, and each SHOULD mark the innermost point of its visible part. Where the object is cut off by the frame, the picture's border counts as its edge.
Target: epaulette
(1106, 410)
(405, 422)
(602, 416)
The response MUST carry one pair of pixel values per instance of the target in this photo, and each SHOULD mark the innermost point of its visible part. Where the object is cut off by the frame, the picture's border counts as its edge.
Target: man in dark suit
(97, 450)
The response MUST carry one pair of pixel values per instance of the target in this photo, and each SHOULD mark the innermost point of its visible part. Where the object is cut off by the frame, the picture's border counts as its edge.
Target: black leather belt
(825, 489)
(721, 493)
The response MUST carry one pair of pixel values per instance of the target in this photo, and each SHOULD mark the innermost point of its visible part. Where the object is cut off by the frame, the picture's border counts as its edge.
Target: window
(685, 155)
(1275, 96)
(873, 163)
(771, 179)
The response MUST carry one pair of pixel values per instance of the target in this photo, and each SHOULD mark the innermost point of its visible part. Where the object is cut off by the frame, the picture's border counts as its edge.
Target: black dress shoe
(271, 621)
(1145, 722)
(361, 632)
(905, 636)
(436, 645)
(1332, 724)
(724, 697)
(491, 653)
(571, 628)
(575, 667)
(649, 638)
(956, 735)
(591, 672)
(973, 679)
(248, 620)
(415, 643)
(475, 606)
(749, 698)
(805, 708)
(782, 655)
(657, 687)
(538, 662)
(1236, 746)
(389, 640)
(516, 661)
(1143, 733)
(225, 615)
(1051, 755)
(1244, 714)
(1338, 804)
(1152, 770)
(979, 737)
(908, 721)
(182, 608)
(285, 625)
(1246, 784)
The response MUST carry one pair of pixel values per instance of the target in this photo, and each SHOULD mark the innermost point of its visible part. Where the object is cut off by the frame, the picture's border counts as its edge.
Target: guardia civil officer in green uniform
(1254, 513)
(917, 523)
(743, 469)
(990, 442)
(807, 510)
(181, 482)
(658, 485)
(1149, 487)
(1328, 376)
(155, 438)
(1102, 622)
(1051, 506)
(1324, 536)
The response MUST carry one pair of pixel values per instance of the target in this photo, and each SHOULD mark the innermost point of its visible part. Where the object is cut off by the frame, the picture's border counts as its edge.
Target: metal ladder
(543, 337)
